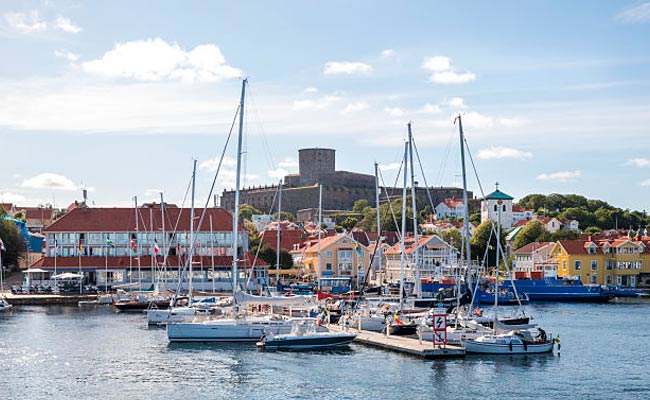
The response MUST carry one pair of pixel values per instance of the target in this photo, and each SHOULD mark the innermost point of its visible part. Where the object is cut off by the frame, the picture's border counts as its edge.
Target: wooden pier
(403, 344)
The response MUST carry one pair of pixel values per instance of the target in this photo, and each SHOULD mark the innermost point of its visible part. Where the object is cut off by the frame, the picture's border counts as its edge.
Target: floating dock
(47, 299)
(403, 344)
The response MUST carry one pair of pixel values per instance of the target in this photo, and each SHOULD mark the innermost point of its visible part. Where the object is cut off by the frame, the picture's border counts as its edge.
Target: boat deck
(403, 344)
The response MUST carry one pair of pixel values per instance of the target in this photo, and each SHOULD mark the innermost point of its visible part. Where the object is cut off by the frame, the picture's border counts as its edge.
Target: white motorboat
(513, 342)
(305, 337)
(228, 329)
(4, 305)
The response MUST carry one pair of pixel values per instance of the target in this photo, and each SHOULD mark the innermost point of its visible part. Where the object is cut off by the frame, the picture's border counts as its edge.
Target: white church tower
(490, 207)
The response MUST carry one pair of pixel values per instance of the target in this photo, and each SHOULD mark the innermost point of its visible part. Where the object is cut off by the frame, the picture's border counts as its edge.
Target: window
(594, 278)
(608, 279)
(594, 265)
(609, 265)
(328, 254)
(564, 265)
(578, 265)
(328, 266)
(504, 208)
(495, 208)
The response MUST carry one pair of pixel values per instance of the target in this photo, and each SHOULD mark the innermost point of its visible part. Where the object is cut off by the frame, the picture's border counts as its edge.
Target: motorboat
(513, 342)
(305, 337)
(4, 305)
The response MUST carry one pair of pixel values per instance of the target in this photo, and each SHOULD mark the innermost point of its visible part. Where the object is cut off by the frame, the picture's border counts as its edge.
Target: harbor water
(69, 352)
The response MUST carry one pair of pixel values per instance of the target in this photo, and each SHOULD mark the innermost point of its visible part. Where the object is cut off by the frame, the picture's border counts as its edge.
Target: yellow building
(341, 256)
(623, 262)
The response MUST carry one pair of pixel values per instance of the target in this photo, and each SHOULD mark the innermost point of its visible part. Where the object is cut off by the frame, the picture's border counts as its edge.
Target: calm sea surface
(66, 352)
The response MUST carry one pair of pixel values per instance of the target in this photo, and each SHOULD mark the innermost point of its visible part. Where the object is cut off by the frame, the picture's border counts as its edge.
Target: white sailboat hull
(228, 330)
(507, 344)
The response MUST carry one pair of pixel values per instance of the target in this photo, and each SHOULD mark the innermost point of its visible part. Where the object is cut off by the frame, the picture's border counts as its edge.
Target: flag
(357, 248)
(397, 320)
(156, 249)
(2, 245)
(81, 245)
(132, 244)
(109, 242)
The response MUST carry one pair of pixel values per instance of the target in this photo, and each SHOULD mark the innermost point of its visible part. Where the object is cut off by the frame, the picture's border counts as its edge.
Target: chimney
(84, 193)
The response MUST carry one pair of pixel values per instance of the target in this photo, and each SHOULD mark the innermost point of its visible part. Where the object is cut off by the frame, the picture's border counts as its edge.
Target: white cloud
(390, 166)
(388, 53)
(430, 109)
(639, 162)
(443, 71)
(212, 164)
(288, 162)
(511, 122)
(456, 102)
(355, 107)
(25, 22)
(394, 111)
(346, 67)
(67, 55)
(64, 24)
(227, 178)
(498, 152)
(49, 180)
(311, 90)
(317, 104)
(157, 60)
(437, 64)
(10, 197)
(452, 77)
(559, 177)
(278, 173)
(646, 182)
(638, 14)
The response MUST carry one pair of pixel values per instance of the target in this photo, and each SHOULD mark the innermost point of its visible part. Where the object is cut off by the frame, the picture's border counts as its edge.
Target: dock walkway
(403, 344)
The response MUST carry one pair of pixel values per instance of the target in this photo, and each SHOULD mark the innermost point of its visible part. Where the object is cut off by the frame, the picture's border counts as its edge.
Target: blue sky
(120, 96)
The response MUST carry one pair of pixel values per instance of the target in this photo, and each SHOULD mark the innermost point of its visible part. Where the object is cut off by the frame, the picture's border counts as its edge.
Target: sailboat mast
(137, 240)
(277, 249)
(164, 244)
(468, 254)
(235, 215)
(496, 267)
(191, 285)
(379, 253)
(402, 245)
(320, 222)
(416, 267)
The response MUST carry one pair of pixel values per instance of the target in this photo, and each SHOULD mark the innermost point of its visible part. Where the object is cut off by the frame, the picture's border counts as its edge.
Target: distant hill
(593, 215)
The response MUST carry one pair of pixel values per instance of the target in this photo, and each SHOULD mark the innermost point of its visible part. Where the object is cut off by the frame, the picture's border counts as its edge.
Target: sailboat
(239, 326)
(528, 340)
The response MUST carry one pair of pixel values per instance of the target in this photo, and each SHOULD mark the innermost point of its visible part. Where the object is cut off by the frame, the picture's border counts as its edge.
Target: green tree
(268, 254)
(479, 242)
(564, 234)
(349, 223)
(529, 233)
(14, 243)
(246, 211)
(453, 237)
(286, 216)
(360, 205)
(592, 230)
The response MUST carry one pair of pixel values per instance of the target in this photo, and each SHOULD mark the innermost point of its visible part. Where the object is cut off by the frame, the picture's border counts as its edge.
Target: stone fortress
(341, 189)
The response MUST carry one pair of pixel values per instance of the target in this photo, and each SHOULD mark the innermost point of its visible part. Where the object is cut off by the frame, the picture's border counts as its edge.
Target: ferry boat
(554, 289)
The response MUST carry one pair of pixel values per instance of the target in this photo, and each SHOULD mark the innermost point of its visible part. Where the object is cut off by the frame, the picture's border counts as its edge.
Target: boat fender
(559, 344)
